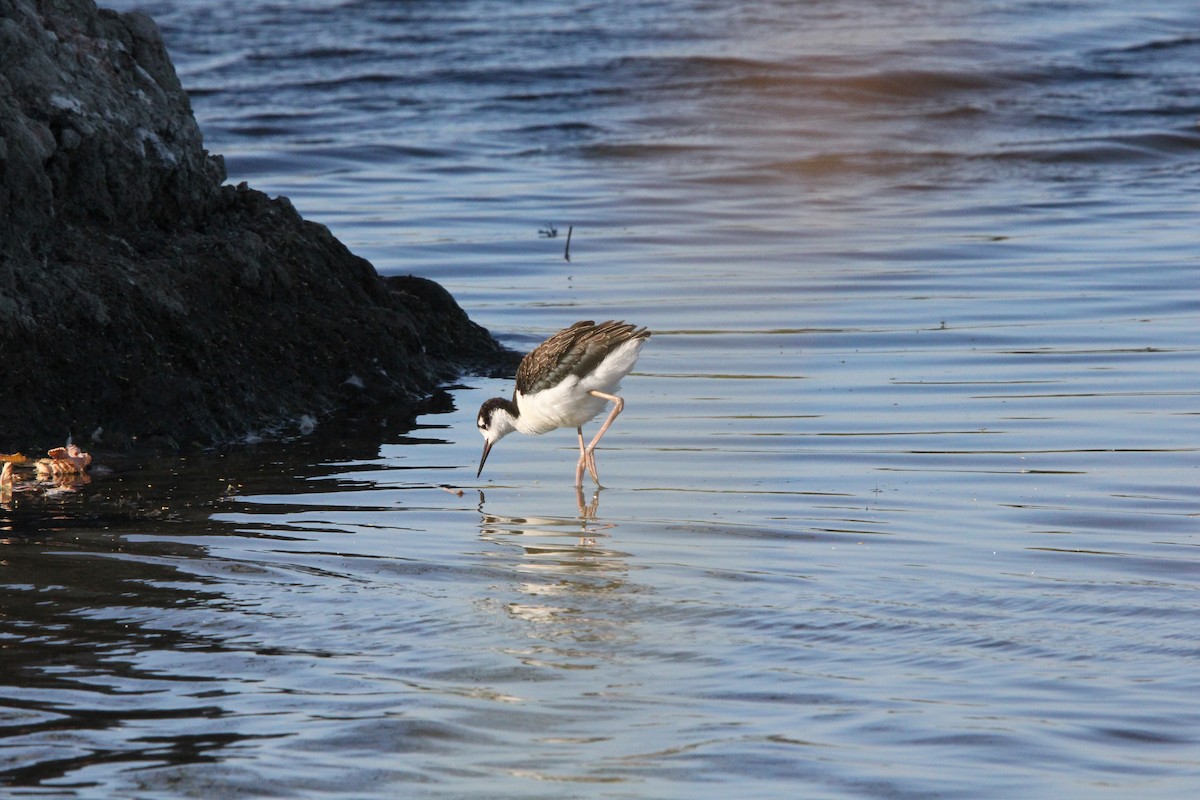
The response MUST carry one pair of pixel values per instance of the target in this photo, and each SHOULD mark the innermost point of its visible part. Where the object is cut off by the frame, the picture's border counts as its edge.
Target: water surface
(903, 503)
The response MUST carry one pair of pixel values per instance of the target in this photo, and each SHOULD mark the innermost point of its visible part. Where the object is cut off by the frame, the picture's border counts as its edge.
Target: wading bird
(563, 383)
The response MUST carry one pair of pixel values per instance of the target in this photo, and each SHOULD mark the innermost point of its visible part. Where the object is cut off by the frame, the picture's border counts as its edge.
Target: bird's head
(497, 419)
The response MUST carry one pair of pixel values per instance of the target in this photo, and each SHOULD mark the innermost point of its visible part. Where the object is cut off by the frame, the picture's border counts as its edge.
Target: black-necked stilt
(564, 383)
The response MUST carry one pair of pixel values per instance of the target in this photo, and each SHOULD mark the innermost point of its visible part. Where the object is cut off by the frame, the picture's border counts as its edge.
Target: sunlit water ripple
(902, 505)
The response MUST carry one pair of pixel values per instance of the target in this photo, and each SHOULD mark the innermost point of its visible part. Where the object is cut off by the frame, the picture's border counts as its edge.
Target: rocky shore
(143, 301)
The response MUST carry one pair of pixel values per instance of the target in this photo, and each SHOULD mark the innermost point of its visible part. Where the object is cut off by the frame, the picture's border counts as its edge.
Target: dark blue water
(904, 500)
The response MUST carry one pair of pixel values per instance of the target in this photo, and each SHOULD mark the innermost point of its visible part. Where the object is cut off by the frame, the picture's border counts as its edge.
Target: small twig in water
(548, 232)
(567, 251)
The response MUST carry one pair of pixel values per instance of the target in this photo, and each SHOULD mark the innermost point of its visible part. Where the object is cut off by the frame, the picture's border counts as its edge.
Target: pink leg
(590, 451)
(591, 465)
(583, 460)
(587, 458)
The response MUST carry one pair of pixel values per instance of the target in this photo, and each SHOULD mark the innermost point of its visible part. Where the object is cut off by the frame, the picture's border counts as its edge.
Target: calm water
(904, 502)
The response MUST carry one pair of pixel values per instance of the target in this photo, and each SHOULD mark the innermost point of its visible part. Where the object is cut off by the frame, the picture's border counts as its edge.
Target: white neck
(503, 423)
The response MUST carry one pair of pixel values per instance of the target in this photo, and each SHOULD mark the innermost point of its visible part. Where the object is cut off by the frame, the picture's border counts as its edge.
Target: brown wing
(577, 349)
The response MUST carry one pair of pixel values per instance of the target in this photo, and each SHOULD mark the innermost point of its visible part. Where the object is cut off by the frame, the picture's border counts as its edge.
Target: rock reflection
(118, 648)
(77, 636)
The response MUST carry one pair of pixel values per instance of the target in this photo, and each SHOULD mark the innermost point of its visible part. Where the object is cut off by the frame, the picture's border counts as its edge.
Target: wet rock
(142, 296)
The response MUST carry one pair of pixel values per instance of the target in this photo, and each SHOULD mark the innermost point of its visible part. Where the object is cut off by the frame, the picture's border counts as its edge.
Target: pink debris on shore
(69, 460)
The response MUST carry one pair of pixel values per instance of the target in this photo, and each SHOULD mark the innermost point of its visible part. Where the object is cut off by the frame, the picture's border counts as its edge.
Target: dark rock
(142, 297)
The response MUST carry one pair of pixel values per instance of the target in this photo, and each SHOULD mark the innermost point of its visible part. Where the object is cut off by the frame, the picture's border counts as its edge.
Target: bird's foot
(586, 461)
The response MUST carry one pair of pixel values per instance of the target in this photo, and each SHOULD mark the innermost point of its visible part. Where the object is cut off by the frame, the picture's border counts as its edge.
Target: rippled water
(904, 500)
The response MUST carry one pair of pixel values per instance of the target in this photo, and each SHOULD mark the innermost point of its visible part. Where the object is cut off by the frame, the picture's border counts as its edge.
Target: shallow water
(903, 502)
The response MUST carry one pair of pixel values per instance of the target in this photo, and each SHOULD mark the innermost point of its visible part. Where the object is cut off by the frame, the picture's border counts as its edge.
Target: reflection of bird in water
(564, 383)
(588, 511)
(572, 593)
(589, 526)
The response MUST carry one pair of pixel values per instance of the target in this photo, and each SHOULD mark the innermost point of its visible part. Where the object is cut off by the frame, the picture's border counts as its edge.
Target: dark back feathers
(577, 349)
